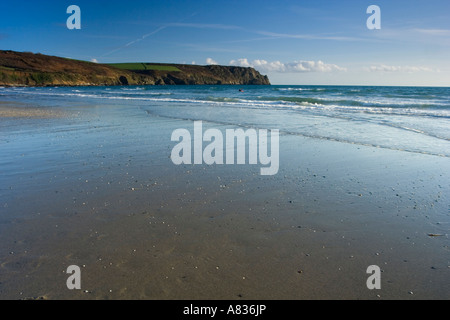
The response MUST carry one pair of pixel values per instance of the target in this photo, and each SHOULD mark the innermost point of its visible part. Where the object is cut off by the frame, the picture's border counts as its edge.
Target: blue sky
(293, 42)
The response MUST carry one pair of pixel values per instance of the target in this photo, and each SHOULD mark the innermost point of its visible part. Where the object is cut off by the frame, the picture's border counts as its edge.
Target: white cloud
(291, 67)
(407, 69)
(240, 63)
(94, 60)
(210, 61)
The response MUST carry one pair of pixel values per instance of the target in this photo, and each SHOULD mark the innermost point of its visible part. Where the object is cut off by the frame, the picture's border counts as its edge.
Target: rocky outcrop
(207, 75)
(28, 69)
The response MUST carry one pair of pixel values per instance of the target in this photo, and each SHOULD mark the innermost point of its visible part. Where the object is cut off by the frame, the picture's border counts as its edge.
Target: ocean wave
(301, 89)
(222, 99)
(132, 89)
(312, 104)
(139, 93)
(338, 136)
(359, 102)
(386, 117)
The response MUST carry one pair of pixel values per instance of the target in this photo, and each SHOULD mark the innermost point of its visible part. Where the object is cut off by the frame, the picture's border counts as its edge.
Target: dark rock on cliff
(212, 75)
(180, 74)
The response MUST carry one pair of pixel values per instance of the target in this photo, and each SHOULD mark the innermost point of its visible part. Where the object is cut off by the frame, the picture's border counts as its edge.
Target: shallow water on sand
(86, 179)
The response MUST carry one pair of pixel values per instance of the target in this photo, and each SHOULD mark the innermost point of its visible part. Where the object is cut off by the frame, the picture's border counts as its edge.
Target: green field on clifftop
(143, 67)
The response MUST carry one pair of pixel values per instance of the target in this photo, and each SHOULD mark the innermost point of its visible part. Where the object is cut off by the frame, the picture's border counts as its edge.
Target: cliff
(29, 69)
(179, 74)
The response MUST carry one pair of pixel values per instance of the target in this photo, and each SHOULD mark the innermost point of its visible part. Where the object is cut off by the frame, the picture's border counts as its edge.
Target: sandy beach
(86, 189)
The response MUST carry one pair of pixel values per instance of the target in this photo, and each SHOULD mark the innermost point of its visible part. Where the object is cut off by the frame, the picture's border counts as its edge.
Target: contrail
(135, 41)
(145, 36)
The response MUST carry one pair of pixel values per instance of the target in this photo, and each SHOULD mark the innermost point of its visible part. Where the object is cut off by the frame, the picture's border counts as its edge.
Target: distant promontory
(30, 69)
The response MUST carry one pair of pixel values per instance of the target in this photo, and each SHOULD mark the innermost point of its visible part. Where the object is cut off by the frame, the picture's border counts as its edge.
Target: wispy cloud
(204, 26)
(307, 36)
(290, 67)
(434, 32)
(267, 34)
(208, 48)
(418, 36)
(405, 69)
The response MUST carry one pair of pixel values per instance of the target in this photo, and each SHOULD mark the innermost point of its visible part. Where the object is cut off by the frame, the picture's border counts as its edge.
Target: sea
(409, 119)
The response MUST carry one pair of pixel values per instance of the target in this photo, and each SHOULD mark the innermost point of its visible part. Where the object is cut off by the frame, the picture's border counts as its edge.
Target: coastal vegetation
(144, 66)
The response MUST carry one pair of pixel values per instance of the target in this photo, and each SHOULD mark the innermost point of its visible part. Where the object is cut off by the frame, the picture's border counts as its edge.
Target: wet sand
(8, 110)
(103, 194)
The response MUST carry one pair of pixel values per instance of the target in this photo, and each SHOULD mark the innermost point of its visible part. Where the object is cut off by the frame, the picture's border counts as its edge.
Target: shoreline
(131, 85)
